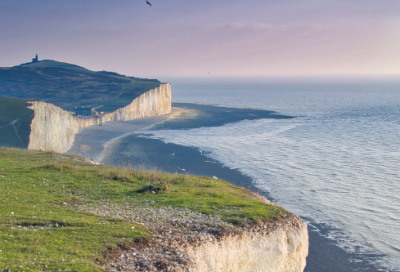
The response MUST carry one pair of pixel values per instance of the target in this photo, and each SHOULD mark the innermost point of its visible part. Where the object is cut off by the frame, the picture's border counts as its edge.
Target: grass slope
(69, 86)
(15, 133)
(38, 190)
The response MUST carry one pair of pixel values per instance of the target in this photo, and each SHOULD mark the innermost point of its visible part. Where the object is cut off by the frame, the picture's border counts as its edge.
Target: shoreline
(140, 150)
(92, 141)
(324, 253)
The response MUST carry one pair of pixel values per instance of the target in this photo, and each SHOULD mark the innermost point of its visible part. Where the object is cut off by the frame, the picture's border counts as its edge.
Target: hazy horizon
(310, 38)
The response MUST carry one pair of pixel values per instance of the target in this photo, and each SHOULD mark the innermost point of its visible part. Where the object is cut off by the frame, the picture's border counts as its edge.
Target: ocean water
(336, 162)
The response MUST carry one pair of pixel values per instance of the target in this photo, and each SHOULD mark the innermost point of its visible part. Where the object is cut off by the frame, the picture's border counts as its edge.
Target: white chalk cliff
(54, 129)
(283, 250)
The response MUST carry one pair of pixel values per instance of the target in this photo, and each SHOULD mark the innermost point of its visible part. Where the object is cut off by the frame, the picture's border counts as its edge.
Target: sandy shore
(91, 141)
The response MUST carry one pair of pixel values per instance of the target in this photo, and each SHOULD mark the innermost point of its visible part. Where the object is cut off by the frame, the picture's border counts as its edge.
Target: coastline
(91, 141)
(138, 150)
(324, 253)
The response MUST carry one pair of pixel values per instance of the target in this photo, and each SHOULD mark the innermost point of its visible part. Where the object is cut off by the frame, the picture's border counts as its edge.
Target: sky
(203, 37)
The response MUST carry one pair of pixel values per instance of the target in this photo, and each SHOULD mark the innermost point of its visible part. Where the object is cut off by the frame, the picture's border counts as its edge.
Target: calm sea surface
(337, 162)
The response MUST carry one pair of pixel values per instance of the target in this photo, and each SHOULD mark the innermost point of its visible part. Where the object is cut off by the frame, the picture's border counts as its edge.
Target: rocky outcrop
(54, 129)
(283, 250)
(186, 240)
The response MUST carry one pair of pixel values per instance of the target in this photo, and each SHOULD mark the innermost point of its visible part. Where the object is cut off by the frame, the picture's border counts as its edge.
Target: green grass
(17, 134)
(35, 185)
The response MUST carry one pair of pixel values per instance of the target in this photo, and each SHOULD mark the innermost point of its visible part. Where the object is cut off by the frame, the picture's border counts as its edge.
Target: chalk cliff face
(54, 129)
(152, 103)
(283, 250)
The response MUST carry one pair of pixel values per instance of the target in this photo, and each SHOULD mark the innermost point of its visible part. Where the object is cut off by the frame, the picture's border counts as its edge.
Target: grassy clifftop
(69, 86)
(15, 121)
(42, 228)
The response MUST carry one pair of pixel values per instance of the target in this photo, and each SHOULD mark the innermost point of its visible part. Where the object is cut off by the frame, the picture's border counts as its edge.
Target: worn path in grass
(12, 123)
(15, 121)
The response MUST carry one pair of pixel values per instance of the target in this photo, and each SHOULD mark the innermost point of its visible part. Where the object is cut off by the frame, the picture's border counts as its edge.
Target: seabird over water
(148, 3)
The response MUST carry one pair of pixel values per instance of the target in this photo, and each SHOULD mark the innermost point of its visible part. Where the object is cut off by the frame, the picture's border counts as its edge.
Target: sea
(336, 163)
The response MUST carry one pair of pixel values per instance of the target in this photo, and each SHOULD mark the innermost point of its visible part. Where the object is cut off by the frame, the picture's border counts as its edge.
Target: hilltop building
(35, 59)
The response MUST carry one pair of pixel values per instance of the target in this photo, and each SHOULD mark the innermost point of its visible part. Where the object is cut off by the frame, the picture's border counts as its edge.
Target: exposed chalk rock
(54, 129)
(152, 103)
(210, 244)
(283, 250)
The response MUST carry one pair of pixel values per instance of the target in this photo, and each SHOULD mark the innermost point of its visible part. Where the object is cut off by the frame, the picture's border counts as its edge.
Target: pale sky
(197, 37)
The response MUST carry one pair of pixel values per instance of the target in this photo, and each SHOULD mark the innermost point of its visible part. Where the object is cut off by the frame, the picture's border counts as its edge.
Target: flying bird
(148, 3)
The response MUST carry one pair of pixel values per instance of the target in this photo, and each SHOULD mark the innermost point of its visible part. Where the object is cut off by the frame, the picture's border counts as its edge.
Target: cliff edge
(54, 129)
(283, 249)
(202, 243)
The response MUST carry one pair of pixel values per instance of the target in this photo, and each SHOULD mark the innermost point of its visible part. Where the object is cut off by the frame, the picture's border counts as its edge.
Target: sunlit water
(337, 162)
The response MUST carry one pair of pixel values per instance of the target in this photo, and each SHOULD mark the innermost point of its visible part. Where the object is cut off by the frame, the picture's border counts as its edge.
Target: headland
(65, 98)
(83, 216)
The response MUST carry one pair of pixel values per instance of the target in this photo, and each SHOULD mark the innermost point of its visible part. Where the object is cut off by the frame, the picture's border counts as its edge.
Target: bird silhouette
(148, 3)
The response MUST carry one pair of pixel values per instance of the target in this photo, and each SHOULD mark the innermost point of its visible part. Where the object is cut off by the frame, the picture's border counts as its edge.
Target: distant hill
(69, 86)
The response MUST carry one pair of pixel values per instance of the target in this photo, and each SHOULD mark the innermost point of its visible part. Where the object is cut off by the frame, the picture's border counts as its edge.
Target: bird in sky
(148, 3)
